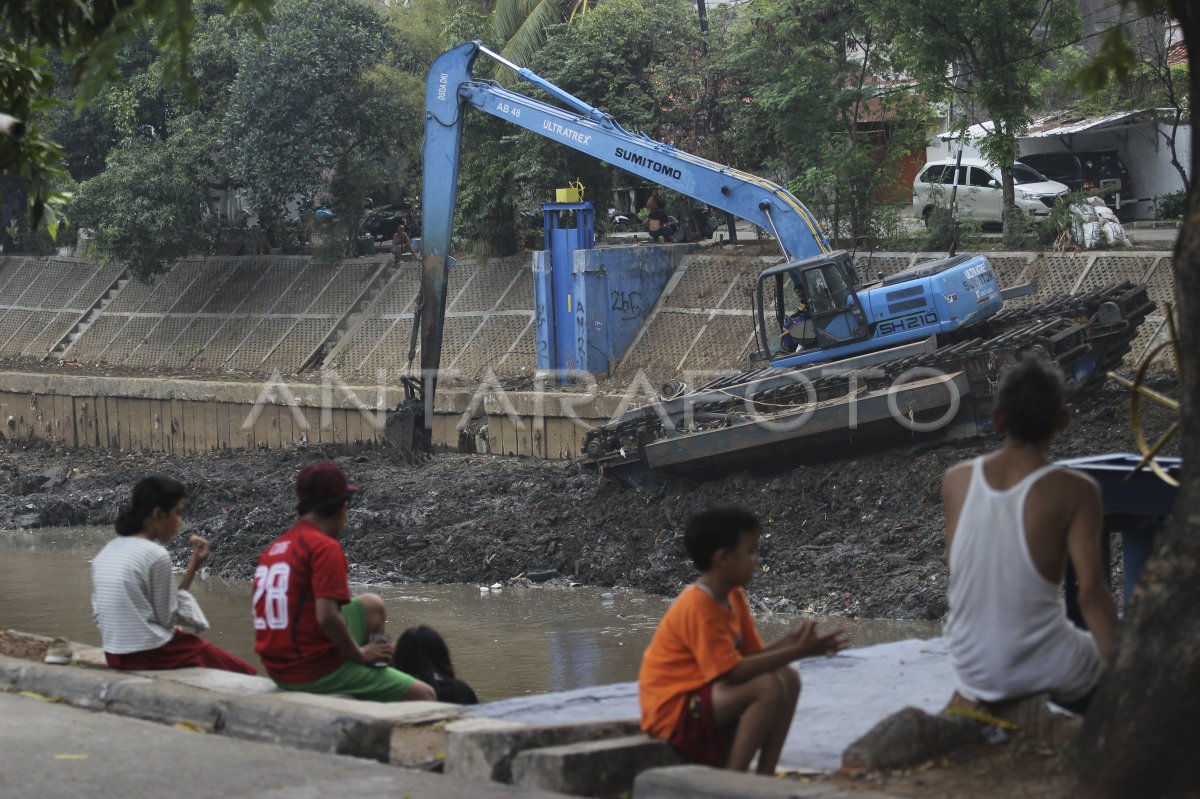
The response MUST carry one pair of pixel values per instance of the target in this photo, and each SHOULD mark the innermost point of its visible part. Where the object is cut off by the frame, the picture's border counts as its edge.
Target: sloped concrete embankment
(269, 353)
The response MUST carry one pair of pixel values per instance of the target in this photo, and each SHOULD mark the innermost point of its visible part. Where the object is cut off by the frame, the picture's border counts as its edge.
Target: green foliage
(944, 231)
(305, 107)
(994, 51)
(26, 80)
(606, 59)
(820, 115)
(147, 207)
(89, 37)
(1171, 206)
(93, 34)
(1020, 230)
(487, 195)
(1051, 230)
(522, 26)
(152, 131)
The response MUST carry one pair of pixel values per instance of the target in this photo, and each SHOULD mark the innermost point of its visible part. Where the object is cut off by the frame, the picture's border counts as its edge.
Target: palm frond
(510, 15)
(530, 36)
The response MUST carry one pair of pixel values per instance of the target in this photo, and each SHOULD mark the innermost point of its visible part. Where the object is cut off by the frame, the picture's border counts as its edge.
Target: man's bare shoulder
(957, 476)
(1081, 481)
(1072, 485)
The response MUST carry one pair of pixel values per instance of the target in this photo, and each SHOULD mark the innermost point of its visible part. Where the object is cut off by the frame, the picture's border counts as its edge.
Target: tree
(148, 203)
(1146, 78)
(988, 55)
(1146, 63)
(1138, 737)
(607, 60)
(146, 208)
(88, 36)
(304, 108)
(521, 26)
(814, 74)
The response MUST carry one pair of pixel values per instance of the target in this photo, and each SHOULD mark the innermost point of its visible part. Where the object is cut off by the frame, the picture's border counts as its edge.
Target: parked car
(1098, 172)
(380, 222)
(980, 191)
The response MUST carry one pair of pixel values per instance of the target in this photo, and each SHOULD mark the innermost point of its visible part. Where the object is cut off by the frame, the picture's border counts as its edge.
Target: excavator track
(1085, 334)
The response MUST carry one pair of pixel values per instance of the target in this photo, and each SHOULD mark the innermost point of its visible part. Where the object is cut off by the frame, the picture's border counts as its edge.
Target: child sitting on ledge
(134, 602)
(707, 685)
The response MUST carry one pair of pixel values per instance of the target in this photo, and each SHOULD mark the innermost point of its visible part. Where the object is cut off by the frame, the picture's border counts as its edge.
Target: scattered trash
(607, 597)
(70, 757)
(39, 697)
(59, 652)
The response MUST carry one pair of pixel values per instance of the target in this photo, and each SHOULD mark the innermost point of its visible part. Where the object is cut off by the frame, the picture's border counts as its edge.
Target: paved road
(52, 751)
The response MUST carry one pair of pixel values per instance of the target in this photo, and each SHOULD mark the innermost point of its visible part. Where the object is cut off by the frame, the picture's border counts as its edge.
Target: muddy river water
(504, 642)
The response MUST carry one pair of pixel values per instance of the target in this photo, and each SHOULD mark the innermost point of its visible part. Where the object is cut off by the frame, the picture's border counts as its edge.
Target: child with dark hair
(308, 632)
(1013, 520)
(707, 684)
(134, 602)
(421, 652)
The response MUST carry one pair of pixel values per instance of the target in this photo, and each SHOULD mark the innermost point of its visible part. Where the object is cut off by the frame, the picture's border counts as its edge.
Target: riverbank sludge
(857, 537)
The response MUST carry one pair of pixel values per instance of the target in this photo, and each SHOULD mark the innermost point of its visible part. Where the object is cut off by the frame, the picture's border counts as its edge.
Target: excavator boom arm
(450, 89)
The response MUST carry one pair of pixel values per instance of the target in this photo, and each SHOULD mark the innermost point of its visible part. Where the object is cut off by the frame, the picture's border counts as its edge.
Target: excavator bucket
(405, 431)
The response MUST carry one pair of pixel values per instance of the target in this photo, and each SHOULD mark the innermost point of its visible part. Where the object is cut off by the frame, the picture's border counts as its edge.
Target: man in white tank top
(1013, 519)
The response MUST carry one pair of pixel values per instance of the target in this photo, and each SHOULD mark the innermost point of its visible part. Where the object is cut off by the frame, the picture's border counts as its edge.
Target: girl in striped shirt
(134, 600)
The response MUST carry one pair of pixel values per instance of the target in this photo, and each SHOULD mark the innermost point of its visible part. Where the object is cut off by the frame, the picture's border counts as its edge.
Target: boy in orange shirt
(707, 685)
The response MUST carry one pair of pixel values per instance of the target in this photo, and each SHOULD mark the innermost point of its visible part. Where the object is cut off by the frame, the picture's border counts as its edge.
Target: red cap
(322, 480)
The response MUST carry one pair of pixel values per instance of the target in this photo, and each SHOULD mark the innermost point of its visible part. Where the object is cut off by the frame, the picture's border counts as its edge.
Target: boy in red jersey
(309, 634)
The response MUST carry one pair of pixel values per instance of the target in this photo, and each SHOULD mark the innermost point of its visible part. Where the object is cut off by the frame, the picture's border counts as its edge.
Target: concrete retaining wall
(187, 416)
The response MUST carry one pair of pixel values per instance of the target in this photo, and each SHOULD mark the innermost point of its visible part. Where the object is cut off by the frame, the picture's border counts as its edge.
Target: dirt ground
(858, 537)
(1006, 771)
(23, 645)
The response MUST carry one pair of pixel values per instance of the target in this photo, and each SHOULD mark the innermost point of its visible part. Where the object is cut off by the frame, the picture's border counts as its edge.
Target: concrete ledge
(604, 768)
(262, 718)
(82, 687)
(116, 756)
(404, 733)
(484, 749)
(167, 702)
(226, 682)
(701, 782)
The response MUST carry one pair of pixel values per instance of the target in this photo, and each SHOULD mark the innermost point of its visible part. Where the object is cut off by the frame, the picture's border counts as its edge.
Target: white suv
(980, 192)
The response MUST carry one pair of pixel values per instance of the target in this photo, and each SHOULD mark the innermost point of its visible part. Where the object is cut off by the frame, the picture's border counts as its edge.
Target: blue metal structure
(568, 227)
(450, 88)
(1135, 504)
(905, 308)
(851, 323)
(937, 297)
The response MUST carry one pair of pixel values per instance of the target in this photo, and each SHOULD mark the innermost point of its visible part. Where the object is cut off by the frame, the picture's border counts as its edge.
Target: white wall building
(1139, 137)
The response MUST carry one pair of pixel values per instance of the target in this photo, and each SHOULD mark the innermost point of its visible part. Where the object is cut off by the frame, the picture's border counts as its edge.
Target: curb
(336, 726)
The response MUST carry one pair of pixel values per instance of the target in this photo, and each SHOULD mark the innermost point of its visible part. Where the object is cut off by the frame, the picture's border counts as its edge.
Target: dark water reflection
(505, 643)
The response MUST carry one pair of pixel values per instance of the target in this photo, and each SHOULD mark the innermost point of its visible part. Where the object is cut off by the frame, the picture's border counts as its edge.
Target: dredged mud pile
(858, 537)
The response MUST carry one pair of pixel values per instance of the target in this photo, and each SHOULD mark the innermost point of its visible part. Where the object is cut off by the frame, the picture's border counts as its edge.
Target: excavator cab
(823, 290)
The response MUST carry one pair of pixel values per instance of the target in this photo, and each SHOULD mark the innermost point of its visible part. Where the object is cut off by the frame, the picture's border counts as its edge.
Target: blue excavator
(859, 363)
